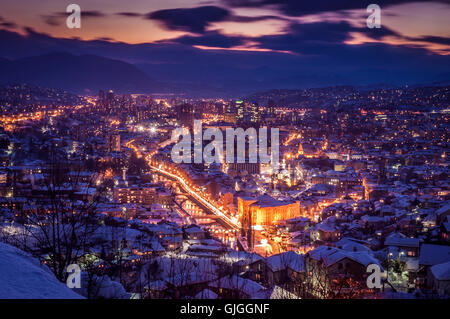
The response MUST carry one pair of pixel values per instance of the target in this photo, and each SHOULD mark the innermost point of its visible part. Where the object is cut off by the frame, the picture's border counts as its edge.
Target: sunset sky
(251, 44)
(414, 24)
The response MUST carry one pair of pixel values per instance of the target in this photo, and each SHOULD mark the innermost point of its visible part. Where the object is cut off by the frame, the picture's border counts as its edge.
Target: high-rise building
(240, 110)
(185, 115)
(135, 195)
(101, 95)
(271, 108)
(110, 96)
(254, 113)
(114, 143)
(230, 115)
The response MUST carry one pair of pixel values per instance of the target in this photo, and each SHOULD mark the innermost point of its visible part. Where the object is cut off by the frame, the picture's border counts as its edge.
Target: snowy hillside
(22, 277)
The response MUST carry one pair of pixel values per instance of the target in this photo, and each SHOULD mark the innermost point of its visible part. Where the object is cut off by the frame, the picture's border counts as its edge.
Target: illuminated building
(254, 113)
(135, 195)
(230, 118)
(240, 110)
(3, 177)
(265, 210)
(114, 143)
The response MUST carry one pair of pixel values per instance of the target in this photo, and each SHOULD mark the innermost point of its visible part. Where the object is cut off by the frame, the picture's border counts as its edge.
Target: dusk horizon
(233, 48)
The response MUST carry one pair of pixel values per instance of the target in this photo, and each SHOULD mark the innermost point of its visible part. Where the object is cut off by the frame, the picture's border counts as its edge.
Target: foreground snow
(22, 277)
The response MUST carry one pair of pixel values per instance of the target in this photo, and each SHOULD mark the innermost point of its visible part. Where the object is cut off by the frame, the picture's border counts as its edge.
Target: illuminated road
(129, 144)
(230, 222)
(222, 218)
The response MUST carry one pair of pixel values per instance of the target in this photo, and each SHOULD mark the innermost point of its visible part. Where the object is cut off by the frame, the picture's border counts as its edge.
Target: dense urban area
(362, 180)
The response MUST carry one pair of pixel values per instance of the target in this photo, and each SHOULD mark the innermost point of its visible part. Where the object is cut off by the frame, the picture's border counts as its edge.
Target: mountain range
(89, 73)
(82, 74)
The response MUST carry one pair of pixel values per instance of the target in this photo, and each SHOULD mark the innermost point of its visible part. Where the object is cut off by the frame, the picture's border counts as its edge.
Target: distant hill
(23, 94)
(78, 73)
(425, 96)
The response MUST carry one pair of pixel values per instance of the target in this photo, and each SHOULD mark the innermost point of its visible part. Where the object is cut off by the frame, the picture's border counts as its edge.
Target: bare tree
(323, 283)
(63, 218)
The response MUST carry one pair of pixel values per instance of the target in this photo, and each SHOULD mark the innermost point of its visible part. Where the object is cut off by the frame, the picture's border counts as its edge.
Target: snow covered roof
(326, 227)
(444, 209)
(350, 240)
(441, 271)
(353, 246)
(285, 260)
(243, 258)
(374, 219)
(433, 254)
(446, 226)
(398, 239)
(268, 201)
(235, 282)
(193, 229)
(332, 255)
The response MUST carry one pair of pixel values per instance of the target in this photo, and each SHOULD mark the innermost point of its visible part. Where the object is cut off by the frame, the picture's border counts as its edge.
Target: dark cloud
(247, 19)
(327, 38)
(195, 20)
(105, 39)
(308, 38)
(210, 39)
(378, 33)
(191, 20)
(8, 24)
(130, 14)
(301, 38)
(57, 18)
(92, 14)
(52, 20)
(299, 7)
(433, 39)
